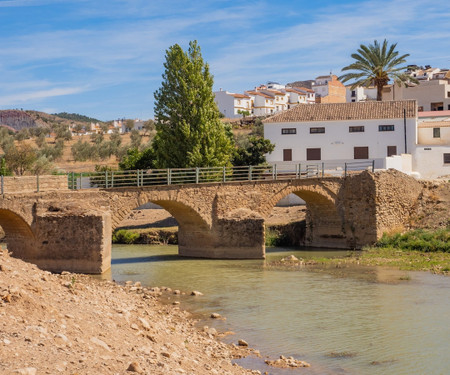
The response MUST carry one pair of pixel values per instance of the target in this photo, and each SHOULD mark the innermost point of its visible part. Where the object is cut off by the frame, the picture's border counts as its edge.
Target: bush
(418, 240)
(124, 236)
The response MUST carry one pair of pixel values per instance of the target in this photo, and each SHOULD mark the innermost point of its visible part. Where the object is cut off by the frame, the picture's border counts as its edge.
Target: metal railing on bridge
(182, 176)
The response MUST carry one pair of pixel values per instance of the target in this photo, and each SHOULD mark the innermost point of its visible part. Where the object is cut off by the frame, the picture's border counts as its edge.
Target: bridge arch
(193, 230)
(19, 236)
(324, 223)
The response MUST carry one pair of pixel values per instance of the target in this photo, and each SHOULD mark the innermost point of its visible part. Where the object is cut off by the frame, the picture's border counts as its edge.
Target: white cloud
(38, 95)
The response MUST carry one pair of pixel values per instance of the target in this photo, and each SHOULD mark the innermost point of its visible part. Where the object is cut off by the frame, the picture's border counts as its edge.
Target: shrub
(418, 240)
(124, 236)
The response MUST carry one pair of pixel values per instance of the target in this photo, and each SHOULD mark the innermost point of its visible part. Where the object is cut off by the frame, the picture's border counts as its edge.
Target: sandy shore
(74, 324)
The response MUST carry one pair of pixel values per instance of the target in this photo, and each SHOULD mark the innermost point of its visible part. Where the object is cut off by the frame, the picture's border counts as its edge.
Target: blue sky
(105, 58)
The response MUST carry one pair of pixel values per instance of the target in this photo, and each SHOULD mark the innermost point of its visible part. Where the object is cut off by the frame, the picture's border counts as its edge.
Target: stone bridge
(71, 230)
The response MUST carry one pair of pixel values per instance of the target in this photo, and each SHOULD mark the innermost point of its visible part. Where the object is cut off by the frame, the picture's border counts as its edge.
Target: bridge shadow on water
(150, 258)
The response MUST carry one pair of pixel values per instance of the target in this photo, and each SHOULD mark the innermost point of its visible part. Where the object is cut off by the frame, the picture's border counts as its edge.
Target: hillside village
(320, 120)
(408, 130)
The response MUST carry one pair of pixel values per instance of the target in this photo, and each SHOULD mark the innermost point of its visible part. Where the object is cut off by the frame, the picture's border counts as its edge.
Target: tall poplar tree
(189, 131)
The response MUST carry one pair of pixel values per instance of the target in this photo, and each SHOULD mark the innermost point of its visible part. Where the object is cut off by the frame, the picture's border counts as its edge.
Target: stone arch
(19, 236)
(193, 230)
(324, 224)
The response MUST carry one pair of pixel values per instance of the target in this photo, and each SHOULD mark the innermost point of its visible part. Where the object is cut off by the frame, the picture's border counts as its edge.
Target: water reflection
(348, 320)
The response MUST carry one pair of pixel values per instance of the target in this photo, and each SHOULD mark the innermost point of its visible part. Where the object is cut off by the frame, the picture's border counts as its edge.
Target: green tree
(135, 159)
(377, 64)
(254, 153)
(148, 126)
(189, 131)
(20, 159)
(135, 138)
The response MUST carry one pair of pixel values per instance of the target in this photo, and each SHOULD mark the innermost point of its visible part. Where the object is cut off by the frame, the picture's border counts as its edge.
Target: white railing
(183, 176)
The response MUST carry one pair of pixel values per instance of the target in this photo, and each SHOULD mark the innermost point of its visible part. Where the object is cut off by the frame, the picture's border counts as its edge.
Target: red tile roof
(347, 111)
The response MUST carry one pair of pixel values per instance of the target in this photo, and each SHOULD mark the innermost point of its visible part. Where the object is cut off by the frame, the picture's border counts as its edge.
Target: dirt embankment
(74, 324)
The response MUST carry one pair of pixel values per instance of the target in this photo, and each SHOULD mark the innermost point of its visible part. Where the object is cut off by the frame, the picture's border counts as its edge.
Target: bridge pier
(229, 238)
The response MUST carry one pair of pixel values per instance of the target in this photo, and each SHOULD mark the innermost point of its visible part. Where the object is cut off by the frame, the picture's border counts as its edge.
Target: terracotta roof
(297, 91)
(347, 111)
(434, 114)
(242, 96)
(434, 124)
(259, 93)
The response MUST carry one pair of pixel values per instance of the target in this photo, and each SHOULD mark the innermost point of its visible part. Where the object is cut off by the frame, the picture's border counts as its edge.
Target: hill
(17, 119)
(76, 117)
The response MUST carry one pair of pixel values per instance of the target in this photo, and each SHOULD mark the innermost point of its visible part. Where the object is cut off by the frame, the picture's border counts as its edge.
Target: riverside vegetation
(417, 250)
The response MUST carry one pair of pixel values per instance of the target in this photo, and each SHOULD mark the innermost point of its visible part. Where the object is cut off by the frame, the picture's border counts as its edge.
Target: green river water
(342, 321)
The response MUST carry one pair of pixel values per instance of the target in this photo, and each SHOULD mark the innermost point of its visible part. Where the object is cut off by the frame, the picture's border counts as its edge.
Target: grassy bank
(418, 250)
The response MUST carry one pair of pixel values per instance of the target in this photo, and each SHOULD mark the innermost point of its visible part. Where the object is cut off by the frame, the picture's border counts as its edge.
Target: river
(341, 320)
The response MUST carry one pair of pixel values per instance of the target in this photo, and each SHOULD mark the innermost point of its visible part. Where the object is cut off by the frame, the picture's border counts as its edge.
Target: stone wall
(31, 184)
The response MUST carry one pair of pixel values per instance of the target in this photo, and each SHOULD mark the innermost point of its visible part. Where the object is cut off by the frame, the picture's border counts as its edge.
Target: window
(437, 106)
(287, 154)
(356, 129)
(361, 152)
(436, 132)
(448, 107)
(448, 94)
(353, 93)
(313, 154)
(385, 128)
(446, 158)
(391, 150)
(289, 131)
(353, 100)
(316, 130)
(420, 108)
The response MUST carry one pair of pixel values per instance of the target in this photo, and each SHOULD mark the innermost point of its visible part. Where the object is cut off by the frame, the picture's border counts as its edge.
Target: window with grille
(316, 130)
(386, 128)
(356, 129)
(289, 131)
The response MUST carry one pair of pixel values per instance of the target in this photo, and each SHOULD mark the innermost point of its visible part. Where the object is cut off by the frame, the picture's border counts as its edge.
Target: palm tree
(376, 64)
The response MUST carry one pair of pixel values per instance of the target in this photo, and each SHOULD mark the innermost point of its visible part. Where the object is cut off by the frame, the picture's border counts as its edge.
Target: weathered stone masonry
(71, 230)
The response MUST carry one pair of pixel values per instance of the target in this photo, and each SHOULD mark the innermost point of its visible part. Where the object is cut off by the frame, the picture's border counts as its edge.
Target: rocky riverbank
(75, 324)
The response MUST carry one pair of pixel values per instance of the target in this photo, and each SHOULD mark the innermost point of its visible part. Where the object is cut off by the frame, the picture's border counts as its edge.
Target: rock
(26, 371)
(101, 343)
(176, 291)
(242, 343)
(165, 354)
(145, 323)
(176, 303)
(196, 293)
(290, 258)
(215, 315)
(135, 367)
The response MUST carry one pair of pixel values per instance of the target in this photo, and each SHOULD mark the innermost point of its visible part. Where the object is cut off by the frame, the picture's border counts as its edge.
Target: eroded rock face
(16, 120)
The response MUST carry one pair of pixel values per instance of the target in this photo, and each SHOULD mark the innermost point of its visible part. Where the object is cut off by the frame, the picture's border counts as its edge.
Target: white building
(387, 132)
(342, 132)
(230, 104)
(360, 94)
(432, 93)
(432, 154)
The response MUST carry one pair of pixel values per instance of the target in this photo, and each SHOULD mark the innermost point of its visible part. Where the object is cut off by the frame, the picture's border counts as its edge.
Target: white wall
(225, 103)
(426, 136)
(337, 142)
(428, 161)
